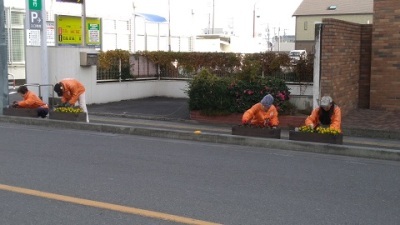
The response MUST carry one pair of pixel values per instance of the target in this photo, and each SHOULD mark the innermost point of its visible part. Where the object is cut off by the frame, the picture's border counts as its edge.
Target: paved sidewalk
(151, 108)
(372, 119)
(363, 122)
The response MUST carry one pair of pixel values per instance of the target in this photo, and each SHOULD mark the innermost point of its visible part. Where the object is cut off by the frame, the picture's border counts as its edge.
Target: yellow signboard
(69, 30)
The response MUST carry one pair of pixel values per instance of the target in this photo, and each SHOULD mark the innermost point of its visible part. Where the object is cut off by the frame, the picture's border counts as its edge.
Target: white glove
(311, 126)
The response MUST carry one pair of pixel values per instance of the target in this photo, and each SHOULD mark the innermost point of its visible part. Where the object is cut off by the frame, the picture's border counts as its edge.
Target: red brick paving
(372, 119)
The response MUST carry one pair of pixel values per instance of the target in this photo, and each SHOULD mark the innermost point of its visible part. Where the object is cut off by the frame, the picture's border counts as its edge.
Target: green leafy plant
(246, 94)
(209, 94)
(222, 95)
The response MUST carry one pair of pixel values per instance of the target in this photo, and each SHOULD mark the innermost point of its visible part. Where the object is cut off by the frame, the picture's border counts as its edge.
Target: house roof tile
(343, 7)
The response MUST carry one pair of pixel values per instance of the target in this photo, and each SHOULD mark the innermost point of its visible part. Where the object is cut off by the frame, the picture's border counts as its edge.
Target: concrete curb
(370, 133)
(354, 132)
(345, 150)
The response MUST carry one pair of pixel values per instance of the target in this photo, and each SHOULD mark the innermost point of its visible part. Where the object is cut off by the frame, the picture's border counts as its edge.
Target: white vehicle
(296, 55)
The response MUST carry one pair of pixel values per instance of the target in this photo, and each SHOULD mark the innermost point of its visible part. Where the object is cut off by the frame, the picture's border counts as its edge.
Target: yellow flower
(68, 109)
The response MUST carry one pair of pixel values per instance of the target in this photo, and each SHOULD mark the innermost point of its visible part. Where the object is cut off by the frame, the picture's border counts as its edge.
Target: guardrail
(11, 82)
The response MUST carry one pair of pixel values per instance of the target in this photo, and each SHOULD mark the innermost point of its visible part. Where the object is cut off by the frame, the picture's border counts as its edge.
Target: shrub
(245, 94)
(208, 93)
(215, 95)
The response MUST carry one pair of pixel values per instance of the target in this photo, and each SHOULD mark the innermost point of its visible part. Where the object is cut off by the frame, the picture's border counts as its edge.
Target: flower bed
(256, 131)
(67, 116)
(322, 135)
(23, 112)
(68, 113)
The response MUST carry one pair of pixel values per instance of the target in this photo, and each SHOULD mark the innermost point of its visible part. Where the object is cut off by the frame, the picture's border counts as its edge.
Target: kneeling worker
(263, 113)
(328, 114)
(31, 100)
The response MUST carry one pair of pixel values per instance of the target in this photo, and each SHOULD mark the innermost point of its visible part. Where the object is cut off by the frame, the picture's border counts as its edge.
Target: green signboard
(69, 30)
(35, 4)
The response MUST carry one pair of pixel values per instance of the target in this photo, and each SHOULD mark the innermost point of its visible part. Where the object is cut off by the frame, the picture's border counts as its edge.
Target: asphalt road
(177, 180)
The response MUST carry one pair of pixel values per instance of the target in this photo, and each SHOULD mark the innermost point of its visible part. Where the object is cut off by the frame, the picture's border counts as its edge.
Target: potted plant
(320, 134)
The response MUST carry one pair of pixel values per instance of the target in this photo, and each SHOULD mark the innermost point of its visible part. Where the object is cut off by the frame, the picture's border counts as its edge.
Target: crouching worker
(263, 113)
(32, 101)
(328, 114)
(71, 91)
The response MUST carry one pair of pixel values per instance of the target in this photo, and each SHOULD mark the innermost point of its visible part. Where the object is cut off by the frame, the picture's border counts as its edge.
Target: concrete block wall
(340, 62)
(385, 70)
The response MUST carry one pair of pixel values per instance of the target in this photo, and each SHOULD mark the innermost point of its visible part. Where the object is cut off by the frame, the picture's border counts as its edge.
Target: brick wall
(340, 62)
(385, 70)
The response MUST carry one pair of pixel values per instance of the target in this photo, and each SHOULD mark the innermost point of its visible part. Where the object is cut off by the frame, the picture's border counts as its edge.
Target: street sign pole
(36, 23)
(44, 55)
(83, 24)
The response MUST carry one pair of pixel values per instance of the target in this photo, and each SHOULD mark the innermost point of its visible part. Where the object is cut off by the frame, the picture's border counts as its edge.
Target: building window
(305, 25)
(14, 24)
(17, 49)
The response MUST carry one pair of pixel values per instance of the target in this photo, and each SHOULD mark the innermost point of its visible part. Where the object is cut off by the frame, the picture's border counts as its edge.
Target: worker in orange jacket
(328, 114)
(71, 91)
(32, 101)
(263, 113)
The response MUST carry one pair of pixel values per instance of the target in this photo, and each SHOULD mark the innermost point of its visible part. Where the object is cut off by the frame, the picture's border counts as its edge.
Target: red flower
(281, 96)
(249, 92)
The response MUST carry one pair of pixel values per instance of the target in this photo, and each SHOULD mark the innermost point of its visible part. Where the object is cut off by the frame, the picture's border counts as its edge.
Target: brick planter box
(315, 137)
(254, 131)
(23, 112)
(81, 117)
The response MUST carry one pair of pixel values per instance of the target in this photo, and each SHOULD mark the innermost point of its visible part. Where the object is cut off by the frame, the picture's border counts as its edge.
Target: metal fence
(141, 68)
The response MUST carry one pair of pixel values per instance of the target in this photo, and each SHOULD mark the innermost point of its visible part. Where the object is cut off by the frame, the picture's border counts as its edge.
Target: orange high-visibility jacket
(336, 118)
(72, 90)
(31, 100)
(257, 116)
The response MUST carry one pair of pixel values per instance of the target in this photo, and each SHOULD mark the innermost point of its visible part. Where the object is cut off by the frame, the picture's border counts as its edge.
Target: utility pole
(169, 26)
(254, 20)
(134, 26)
(269, 40)
(3, 61)
(83, 23)
(213, 20)
(279, 39)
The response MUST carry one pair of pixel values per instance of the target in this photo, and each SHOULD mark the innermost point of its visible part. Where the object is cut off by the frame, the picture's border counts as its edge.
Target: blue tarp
(152, 18)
